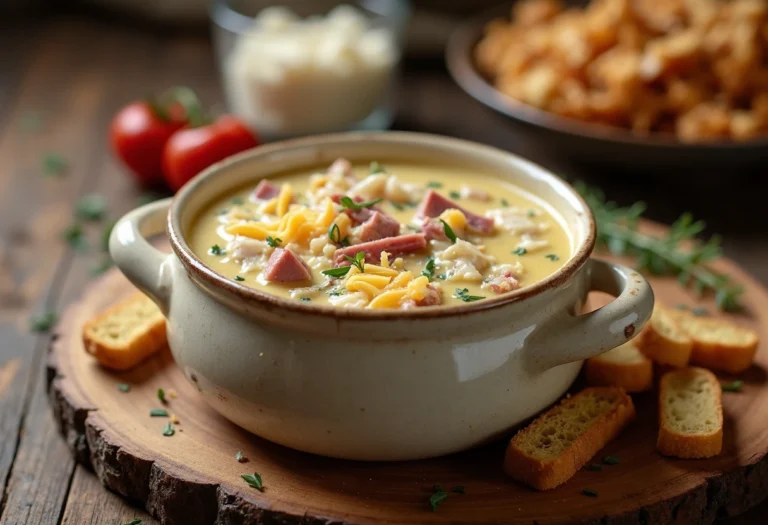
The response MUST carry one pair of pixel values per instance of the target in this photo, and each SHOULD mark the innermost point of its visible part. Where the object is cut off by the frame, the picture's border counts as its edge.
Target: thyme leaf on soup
(429, 268)
(358, 261)
(434, 184)
(337, 273)
(463, 294)
(454, 194)
(238, 278)
(448, 231)
(334, 234)
(349, 204)
(552, 257)
(397, 206)
(273, 242)
(678, 253)
(505, 203)
(520, 251)
(217, 250)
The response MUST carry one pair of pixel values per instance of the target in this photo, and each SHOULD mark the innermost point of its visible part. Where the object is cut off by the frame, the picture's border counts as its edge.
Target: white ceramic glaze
(378, 385)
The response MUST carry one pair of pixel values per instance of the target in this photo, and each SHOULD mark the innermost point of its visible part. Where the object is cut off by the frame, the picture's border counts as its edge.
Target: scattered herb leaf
(348, 203)
(168, 430)
(397, 206)
(254, 481)
(335, 292)
(437, 497)
(458, 489)
(531, 213)
(463, 294)
(448, 231)
(75, 237)
(358, 261)
(589, 492)
(594, 467)
(237, 201)
(429, 268)
(217, 250)
(375, 168)
(733, 386)
(305, 299)
(505, 203)
(520, 251)
(454, 194)
(134, 521)
(54, 165)
(238, 278)
(161, 395)
(43, 322)
(337, 273)
(92, 207)
(700, 311)
(158, 412)
(434, 184)
(334, 234)
(552, 257)
(124, 387)
(240, 457)
(679, 253)
(274, 242)
(611, 460)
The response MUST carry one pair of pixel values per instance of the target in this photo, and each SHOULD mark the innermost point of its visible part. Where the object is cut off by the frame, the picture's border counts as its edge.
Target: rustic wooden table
(61, 80)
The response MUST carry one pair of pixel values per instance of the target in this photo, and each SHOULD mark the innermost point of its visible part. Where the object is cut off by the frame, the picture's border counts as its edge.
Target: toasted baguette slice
(719, 344)
(690, 414)
(126, 334)
(559, 442)
(664, 341)
(624, 366)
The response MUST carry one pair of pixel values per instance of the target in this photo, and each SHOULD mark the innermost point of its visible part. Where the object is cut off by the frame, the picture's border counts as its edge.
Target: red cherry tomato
(190, 151)
(138, 135)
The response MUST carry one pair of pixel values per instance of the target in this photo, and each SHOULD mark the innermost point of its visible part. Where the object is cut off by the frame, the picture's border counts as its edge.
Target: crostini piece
(663, 340)
(549, 451)
(690, 414)
(624, 366)
(126, 334)
(718, 344)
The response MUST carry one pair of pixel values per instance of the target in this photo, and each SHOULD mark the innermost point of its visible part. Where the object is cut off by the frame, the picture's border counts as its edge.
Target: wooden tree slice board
(193, 477)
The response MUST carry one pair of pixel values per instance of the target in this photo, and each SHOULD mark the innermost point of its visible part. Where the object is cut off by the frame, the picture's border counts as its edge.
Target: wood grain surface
(193, 477)
(74, 70)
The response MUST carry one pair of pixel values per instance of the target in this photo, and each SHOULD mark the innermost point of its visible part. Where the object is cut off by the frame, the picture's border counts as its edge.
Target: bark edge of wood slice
(193, 476)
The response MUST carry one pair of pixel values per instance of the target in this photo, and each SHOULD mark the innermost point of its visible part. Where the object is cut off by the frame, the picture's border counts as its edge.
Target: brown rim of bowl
(461, 66)
(200, 271)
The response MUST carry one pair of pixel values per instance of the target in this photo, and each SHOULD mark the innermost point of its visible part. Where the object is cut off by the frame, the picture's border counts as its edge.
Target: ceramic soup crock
(371, 384)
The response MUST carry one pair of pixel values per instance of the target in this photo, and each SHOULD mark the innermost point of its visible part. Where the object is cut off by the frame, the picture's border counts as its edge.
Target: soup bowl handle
(579, 337)
(143, 264)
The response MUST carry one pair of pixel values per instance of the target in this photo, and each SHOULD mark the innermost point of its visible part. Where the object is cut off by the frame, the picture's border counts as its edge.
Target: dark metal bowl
(590, 143)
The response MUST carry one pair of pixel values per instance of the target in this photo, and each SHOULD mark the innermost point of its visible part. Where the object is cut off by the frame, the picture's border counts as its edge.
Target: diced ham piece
(284, 266)
(264, 191)
(434, 204)
(505, 283)
(379, 226)
(395, 246)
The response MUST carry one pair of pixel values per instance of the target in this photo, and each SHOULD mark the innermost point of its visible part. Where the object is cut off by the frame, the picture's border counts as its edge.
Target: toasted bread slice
(690, 414)
(624, 366)
(664, 341)
(719, 344)
(126, 334)
(549, 451)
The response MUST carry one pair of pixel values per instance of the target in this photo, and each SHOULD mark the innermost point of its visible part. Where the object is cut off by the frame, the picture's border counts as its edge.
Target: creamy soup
(382, 236)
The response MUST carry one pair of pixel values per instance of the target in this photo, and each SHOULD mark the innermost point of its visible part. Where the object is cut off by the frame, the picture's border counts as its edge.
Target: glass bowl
(309, 66)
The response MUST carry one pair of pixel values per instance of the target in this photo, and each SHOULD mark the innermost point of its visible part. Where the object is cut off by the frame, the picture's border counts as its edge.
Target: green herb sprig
(429, 268)
(679, 253)
(254, 481)
(349, 204)
(273, 242)
(448, 231)
(463, 294)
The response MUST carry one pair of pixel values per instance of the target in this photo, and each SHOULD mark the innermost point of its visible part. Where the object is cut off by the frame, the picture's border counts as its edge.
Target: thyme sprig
(679, 253)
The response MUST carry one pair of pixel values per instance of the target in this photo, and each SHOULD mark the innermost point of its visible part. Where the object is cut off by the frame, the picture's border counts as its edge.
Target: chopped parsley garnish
(700, 312)
(91, 207)
(434, 184)
(531, 213)
(611, 460)
(448, 231)
(552, 257)
(437, 497)
(240, 457)
(505, 203)
(305, 299)
(358, 261)
(335, 292)
(75, 237)
(101, 267)
(397, 206)
(454, 194)
(274, 242)
(254, 481)
(429, 269)
(375, 168)
(520, 251)
(349, 204)
(161, 395)
(158, 412)
(733, 386)
(237, 201)
(124, 387)
(54, 165)
(337, 273)
(43, 322)
(168, 430)
(594, 467)
(238, 278)
(334, 234)
(463, 294)
(134, 521)
(589, 492)
(217, 250)
(458, 489)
